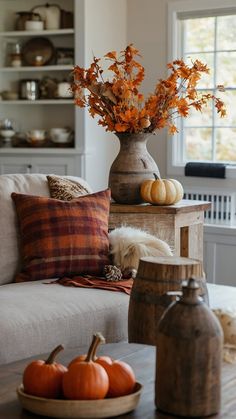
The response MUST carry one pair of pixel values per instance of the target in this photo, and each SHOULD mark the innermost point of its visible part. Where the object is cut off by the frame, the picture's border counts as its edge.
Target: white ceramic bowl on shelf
(34, 25)
(9, 95)
(36, 137)
(7, 134)
(61, 135)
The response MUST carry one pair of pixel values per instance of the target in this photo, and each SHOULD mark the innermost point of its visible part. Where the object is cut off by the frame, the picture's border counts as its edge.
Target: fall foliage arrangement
(121, 107)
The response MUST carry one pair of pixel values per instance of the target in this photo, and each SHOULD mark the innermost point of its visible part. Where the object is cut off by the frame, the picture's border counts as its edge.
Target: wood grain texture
(189, 357)
(184, 238)
(140, 357)
(190, 218)
(183, 206)
(149, 299)
(159, 225)
(166, 222)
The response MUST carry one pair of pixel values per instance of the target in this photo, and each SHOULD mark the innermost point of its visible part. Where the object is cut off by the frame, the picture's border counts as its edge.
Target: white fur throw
(129, 244)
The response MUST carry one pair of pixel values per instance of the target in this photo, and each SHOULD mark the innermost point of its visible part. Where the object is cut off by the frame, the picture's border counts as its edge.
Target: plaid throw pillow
(65, 189)
(63, 238)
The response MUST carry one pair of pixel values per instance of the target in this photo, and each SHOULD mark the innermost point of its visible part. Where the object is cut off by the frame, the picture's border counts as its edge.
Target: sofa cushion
(33, 184)
(63, 237)
(65, 189)
(35, 317)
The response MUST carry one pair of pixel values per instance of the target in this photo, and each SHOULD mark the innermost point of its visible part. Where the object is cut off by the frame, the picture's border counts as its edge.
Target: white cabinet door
(44, 164)
(220, 254)
(57, 165)
(10, 165)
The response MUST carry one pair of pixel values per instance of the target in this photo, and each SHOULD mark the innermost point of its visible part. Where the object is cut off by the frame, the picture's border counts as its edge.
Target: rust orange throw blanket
(87, 281)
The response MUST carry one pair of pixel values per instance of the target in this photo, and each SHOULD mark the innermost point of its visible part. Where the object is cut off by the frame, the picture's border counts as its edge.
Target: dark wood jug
(189, 357)
(151, 294)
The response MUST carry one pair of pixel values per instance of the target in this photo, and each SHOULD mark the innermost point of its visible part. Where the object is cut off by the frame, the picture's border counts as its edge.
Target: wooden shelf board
(40, 68)
(56, 32)
(22, 151)
(185, 205)
(38, 102)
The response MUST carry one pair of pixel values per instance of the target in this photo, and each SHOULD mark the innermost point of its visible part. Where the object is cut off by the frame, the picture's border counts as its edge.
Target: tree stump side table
(180, 225)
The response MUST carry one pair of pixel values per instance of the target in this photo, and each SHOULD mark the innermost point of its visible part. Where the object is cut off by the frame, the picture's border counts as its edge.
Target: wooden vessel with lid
(189, 357)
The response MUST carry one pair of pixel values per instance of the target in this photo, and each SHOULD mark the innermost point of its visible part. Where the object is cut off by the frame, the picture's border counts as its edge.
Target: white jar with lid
(64, 90)
(15, 55)
(51, 14)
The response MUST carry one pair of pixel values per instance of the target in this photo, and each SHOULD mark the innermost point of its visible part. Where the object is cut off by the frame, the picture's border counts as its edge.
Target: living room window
(206, 31)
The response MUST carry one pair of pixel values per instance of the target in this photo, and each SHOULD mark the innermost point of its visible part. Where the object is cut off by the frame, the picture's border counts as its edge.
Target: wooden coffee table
(140, 357)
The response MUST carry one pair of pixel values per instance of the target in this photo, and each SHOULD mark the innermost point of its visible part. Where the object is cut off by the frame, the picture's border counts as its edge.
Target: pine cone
(112, 273)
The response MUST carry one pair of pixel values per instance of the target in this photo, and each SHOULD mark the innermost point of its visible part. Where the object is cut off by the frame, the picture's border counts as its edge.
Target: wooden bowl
(79, 408)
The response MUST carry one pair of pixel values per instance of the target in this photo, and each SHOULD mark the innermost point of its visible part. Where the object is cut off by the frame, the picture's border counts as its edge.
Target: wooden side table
(180, 225)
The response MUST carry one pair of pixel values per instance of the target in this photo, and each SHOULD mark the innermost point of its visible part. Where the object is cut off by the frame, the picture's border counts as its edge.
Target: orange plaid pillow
(63, 238)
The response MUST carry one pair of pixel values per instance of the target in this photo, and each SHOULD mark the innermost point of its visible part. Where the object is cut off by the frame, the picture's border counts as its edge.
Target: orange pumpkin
(86, 379)
(97, 339)
(121, 376)
(79, 358)
(44, 378)
(161, 191)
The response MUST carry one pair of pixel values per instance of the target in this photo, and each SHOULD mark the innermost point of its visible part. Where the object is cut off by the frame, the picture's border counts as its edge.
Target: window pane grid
(182, 147)
(210, 51)
(218, 137)
(214, 83)
(208, 126)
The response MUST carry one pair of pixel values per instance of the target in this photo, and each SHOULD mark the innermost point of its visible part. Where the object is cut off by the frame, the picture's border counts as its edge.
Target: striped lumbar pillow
(62, 238)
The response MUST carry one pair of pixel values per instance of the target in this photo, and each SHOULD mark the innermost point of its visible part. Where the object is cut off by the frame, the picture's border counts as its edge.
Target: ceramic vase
(132, 165)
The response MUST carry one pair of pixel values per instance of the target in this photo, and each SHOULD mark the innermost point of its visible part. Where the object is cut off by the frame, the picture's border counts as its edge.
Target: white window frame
(176, 7)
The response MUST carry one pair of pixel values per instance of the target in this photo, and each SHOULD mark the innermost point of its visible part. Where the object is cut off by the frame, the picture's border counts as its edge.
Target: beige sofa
(34, 316)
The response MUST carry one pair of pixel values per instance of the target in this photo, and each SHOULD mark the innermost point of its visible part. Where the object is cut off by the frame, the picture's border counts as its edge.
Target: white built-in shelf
(67, 67)
(16, 156)
(38, 102)
(44, 32)
(61, 151)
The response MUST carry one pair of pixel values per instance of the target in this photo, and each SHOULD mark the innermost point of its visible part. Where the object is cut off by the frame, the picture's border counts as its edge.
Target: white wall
(147, 30)
(143, 23)
(112, 25)
(105, 30)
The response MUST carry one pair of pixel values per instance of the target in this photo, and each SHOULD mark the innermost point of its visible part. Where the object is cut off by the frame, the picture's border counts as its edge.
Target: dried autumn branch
(120, 106)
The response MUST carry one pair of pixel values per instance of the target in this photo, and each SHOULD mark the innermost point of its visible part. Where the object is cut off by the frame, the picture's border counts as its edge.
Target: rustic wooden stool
(180, 225)
(158, 279)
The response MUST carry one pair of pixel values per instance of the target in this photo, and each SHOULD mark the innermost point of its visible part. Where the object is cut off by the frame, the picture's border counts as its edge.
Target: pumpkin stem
(97, 339)
(155, 176)
(53, 354)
